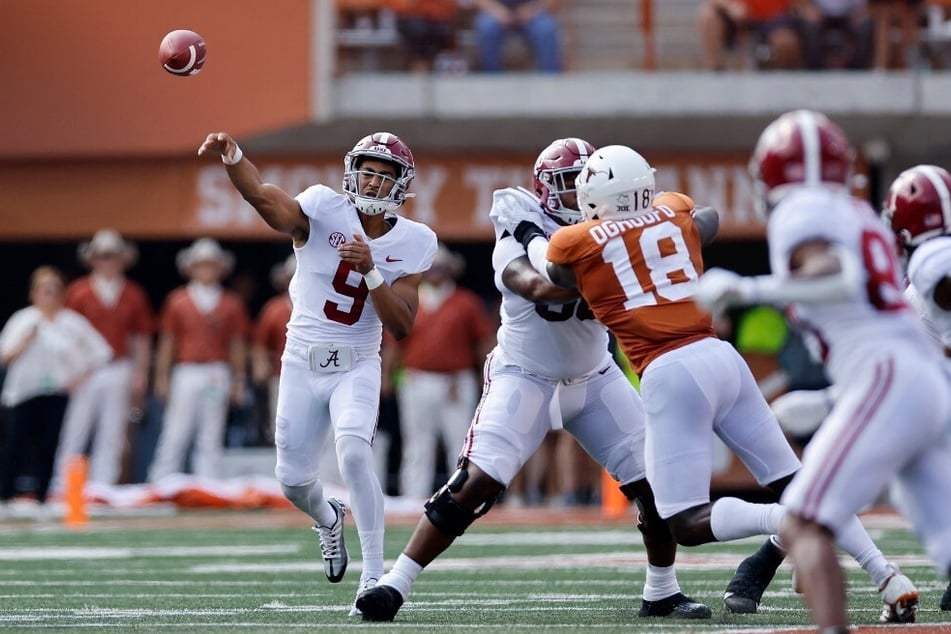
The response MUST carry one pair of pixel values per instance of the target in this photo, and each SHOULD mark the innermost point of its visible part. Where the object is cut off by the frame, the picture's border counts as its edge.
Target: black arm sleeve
(527, 231)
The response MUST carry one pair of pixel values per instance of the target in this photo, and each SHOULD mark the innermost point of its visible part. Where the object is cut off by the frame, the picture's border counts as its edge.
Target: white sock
(732, 518)
(355, 459)
(371, 548)
(661, 583)
(323, 514)
(855, 540)
(402, 575)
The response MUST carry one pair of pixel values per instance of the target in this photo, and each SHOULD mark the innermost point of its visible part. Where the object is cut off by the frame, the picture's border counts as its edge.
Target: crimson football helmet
(555, 171)
(615, 181)
(918, 205)
(383, 146)
(802, 147)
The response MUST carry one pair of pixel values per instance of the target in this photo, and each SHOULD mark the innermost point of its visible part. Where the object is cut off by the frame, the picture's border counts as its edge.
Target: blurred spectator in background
(760, 32)
(427, 29)
(837, 34)
(269, 337)
(896, 24)
(441, 358)
(49, 351)
(200, 361)
(534, 20)
(102, 407)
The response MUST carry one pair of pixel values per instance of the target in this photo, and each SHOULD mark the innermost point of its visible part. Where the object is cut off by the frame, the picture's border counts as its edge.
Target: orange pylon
(76, 471)
(613, 502)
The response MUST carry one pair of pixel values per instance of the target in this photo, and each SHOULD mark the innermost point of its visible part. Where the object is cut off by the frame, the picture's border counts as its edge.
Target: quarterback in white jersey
(551, 368)
(835, 265)
(358, 270)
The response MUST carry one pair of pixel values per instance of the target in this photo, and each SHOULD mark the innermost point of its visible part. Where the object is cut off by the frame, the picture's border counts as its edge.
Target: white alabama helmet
(616, 180)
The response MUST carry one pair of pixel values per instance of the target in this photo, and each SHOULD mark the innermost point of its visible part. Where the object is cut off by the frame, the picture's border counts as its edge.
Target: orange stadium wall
(183, 197)
(82, 77)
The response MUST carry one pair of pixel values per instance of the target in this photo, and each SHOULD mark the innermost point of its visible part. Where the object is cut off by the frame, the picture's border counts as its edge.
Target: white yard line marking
(59, 553)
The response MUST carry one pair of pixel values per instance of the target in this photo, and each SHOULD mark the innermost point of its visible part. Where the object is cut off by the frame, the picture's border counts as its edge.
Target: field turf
(516, 570)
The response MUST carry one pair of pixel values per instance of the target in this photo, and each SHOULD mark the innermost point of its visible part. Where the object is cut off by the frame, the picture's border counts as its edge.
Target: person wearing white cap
(200, 361)
(359, 265)
(119, 309)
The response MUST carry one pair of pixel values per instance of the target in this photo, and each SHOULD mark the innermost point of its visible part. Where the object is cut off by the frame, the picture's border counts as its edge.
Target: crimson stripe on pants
(884, 373)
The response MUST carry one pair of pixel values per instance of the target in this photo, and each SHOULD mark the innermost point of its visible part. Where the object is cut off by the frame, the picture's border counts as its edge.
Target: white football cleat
(332, 548)
(900, 598)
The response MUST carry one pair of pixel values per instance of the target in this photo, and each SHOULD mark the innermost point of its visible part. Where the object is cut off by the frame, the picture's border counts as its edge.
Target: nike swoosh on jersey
(392, 259)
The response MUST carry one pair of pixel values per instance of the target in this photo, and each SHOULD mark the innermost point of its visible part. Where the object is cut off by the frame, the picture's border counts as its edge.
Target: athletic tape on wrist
(373, 278)
(237, 156)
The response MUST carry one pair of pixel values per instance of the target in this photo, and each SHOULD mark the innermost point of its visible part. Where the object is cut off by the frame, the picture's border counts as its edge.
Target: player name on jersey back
(608, 229)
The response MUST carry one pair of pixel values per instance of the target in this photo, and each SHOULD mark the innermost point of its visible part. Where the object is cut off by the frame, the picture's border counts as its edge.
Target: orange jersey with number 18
(638, 274)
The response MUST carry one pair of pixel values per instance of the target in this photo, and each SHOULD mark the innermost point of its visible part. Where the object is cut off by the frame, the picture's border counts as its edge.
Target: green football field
(259, 571)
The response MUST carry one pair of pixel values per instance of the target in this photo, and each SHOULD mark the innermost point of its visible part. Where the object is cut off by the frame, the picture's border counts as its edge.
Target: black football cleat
(946, 598)
(676, 606)
(379, 603)
(752, 576)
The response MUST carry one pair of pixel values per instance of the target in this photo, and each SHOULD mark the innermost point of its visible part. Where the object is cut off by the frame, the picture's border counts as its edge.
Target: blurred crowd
(809, 34)
(496, 35)
(90, 368)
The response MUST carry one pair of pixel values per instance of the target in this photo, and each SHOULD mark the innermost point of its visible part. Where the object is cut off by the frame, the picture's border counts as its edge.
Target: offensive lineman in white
(358, 269)
(833, 262)
(551, 367)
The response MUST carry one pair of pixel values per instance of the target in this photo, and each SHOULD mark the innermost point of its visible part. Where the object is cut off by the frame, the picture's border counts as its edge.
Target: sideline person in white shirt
(49, 350)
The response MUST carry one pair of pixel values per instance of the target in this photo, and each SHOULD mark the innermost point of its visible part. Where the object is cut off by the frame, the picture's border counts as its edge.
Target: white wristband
(373, 278)
(237, 156)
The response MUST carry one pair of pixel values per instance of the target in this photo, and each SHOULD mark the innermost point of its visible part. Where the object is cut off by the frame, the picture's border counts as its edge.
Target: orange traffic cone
(613, 502)
(76, 470)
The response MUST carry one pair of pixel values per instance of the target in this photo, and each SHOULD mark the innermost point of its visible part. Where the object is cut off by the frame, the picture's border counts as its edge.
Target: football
(182, 52)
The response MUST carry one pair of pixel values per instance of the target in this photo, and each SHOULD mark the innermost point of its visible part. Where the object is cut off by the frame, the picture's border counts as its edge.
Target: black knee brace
(449, 516)
(649, 521)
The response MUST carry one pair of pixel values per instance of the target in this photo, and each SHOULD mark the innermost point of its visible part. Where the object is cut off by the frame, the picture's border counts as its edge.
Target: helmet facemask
(559, 182)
